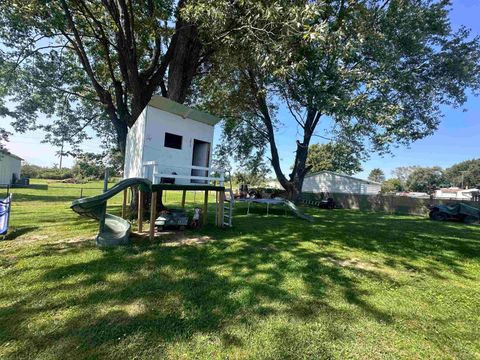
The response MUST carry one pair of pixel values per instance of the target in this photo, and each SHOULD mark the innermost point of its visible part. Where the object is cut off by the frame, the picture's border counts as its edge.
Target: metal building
(10, 168)
(330, 182)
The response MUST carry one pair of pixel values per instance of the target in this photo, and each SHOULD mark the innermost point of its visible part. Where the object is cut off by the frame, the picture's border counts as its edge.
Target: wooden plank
(140, 211)
(205, 208)
(153, 213)
(221, 195)
(184, 195)
(124, 204)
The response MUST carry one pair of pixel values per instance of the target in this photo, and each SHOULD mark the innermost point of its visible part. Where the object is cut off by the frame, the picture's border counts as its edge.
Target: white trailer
(330, 182)
(10, 168)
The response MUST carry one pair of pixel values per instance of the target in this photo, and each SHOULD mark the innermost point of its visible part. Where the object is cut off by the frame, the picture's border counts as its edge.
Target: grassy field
(351, 285)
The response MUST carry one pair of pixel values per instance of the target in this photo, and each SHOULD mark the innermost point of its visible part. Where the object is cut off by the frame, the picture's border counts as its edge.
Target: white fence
(184, 175)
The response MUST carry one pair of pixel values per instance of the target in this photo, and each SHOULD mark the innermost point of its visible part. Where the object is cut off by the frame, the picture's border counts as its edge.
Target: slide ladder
(228, 204)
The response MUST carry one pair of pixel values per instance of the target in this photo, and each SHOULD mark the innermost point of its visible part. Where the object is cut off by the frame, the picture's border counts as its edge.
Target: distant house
(10, 168)
(274, 184)
(330, 182)
(455, 193)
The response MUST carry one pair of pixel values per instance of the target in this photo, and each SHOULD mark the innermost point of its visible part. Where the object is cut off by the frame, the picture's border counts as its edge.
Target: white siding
(134, 147)
(335, 183)
(8, 166)
(172, 160)
(373, 189)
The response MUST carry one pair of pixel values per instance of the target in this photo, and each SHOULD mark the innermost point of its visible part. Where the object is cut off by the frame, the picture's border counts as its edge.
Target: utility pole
(61, 155)
(105, 180)
(463, 176)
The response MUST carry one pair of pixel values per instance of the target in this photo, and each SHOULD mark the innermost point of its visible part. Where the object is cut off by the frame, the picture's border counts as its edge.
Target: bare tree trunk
(299, 167)
(121, 130)
(292, 185)
(185, 60)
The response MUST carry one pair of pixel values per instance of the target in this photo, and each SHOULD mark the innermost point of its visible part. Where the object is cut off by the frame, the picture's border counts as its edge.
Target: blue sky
(457, 138)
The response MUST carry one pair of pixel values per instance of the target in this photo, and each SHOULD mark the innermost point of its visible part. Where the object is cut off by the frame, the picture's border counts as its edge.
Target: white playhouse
(171, 143)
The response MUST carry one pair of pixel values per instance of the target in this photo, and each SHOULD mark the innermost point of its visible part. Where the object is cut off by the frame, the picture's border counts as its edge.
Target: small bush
(55, 174)
(31, 171)
(39, 172)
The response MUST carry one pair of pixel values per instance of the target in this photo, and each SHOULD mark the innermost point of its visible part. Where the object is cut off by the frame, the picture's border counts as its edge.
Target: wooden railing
(155, 172)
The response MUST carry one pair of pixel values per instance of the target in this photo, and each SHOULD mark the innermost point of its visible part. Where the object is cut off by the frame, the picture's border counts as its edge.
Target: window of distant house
(173, 141)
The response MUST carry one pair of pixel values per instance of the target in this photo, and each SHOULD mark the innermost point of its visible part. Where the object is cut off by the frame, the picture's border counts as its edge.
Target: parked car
(327, 204)
(459, 212)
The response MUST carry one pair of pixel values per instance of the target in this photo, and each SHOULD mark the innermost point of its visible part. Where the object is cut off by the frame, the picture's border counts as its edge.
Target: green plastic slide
(297, 211)
(113, 229)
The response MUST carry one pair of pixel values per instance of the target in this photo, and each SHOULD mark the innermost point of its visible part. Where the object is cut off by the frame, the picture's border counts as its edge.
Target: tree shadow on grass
(171, 294)
(412, 242)
(46, 198)
(19, 231)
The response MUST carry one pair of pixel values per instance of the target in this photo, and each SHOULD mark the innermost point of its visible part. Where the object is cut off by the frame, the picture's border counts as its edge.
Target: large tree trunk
(294, 190)
(295, 183)
(185, 60)
(292, 185)
(121, 130)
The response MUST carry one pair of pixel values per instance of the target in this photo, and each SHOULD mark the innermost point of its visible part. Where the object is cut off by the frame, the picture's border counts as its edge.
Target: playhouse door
(201, 157)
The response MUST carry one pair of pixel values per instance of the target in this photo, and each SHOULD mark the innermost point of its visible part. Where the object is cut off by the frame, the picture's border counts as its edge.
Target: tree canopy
(92, 63)
(392, 186)
(403, 172)
(377, 175)
(378, 70)
(426, 179)
(464, 174)
(333, 157)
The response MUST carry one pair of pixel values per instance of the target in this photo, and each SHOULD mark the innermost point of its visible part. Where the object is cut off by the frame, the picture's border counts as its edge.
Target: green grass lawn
(351, 285)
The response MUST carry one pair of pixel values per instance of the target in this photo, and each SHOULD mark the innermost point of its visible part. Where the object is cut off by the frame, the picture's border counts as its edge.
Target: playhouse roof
(173, 107)
(6, 152)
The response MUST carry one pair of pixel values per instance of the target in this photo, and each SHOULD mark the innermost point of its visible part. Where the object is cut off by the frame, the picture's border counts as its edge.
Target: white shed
(330, 182)
(170, 142)
(10, 168)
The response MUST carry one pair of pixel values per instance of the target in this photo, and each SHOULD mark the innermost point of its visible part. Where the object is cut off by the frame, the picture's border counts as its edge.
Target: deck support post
(140, 211)
(153, 213)
(124, 204)
(184, 194)
(160, 196)
(205, 208)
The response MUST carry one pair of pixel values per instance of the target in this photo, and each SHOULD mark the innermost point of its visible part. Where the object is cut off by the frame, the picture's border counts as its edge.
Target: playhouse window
(173, 141)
